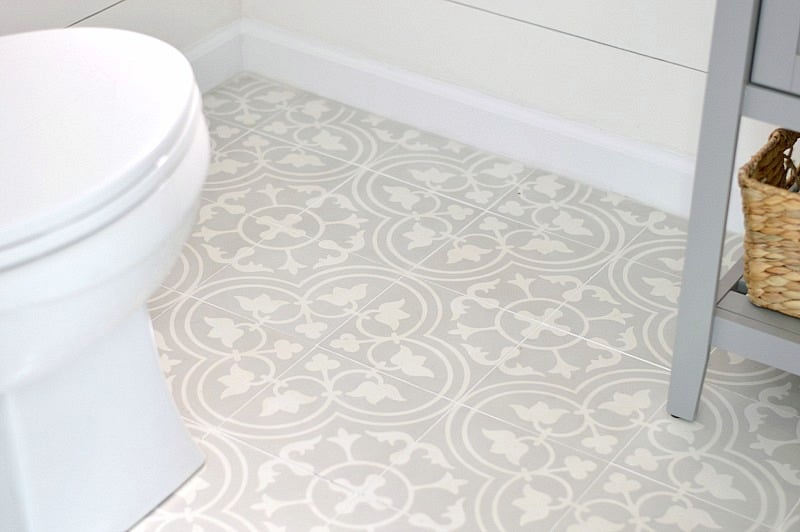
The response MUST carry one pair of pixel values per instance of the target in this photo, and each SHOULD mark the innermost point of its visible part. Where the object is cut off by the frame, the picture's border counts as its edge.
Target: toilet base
(95, 445)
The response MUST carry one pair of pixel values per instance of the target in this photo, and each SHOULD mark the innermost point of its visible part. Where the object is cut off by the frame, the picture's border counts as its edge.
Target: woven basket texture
(772, 225)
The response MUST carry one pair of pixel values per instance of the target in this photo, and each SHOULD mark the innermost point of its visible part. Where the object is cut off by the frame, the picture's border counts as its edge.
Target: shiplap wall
(634, 68)
(181, 23)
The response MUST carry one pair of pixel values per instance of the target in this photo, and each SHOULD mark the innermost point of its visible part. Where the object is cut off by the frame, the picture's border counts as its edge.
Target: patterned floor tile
(215, 361)
(222, 133)
(336, 418)
(390, 221)
(240, 489)
(739, 454)
(523, 269)
(664, 248)
(474, 472)
(253, 170)
(447, 167)
(246, 100)
(576, 211)
(309, 306)
(373, 328)
(621, 501)
(332, 128)
(427, 335)
(752, 379)
(573, 392)
(625, 306)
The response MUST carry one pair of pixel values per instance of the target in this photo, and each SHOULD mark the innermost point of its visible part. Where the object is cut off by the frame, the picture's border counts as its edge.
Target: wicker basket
(772, 225)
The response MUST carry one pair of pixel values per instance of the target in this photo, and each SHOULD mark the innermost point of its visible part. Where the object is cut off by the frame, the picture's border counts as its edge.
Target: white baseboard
(641, 171)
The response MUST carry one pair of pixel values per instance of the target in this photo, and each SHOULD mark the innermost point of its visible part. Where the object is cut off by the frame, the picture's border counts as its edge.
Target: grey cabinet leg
(731, 52)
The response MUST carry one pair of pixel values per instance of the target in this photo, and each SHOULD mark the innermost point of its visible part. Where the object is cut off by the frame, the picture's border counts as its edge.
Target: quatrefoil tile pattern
(374, 328)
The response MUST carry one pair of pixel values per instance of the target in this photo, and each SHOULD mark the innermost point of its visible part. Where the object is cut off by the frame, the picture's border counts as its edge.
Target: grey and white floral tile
(390, 221)
(336, 418)
(240, 489)
(250, 169)
(332, 128)
(752, 379)
(247, 100)
(665, 249)
(576, 211)
(215, 361)
(620, 500)
(308, 306)
(574, 392)
(626, 306)
(739, 454)
(474, 472)
(222, 133)
(375, 328)
(429, 336)
(521, 268)
(447, 167)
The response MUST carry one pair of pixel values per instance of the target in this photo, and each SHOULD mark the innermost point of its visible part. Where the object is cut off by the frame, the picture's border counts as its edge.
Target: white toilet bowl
(103, 152)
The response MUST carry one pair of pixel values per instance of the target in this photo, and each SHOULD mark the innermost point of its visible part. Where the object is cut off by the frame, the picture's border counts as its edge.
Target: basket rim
(780, 139)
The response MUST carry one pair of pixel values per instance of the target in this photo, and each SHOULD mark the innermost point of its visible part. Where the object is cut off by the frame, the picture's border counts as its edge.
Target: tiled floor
(375, 328)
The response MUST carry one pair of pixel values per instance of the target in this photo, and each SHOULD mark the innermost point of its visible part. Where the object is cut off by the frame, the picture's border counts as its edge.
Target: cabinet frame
(711, 311)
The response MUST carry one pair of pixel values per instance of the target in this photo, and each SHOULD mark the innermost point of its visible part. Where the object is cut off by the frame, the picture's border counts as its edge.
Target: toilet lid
(84, 114)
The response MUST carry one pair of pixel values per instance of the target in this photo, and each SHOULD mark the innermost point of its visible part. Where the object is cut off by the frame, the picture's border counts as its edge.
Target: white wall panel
(676, 30)
(178, 22)
(620, 92)
(26, 15)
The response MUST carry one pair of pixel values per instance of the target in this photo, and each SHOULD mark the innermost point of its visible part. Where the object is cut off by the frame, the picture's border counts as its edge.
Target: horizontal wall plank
(178, 22)
(17, 16)
(678, 31)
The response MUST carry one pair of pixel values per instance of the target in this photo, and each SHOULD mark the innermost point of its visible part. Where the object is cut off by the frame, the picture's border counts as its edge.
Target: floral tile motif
(336, 418)
(325, 126)
(222, 133)
(427, 335)
(739, 454)
(621, 500)
(250, 170)
(625, 306)
(752, 379)
(474, 472)
(578, 212)
(525, 270)
(240, 489)
(308, 306)
(199, 260)
(247, 100)
(447, 167)
(664, 248)
(215, 361)
(388, 220)
(574, 392)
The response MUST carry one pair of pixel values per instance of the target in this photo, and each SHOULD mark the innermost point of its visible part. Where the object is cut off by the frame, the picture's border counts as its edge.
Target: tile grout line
(615, 462)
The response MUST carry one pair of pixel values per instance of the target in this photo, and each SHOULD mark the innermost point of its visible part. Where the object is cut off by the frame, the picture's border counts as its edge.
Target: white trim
(217, 57)
(644, 172)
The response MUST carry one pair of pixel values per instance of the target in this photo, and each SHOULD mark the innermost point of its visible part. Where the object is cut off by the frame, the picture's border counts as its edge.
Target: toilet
(103, 153)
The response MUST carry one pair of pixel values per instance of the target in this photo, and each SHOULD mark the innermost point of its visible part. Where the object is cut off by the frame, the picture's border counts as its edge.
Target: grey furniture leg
(729, 71)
